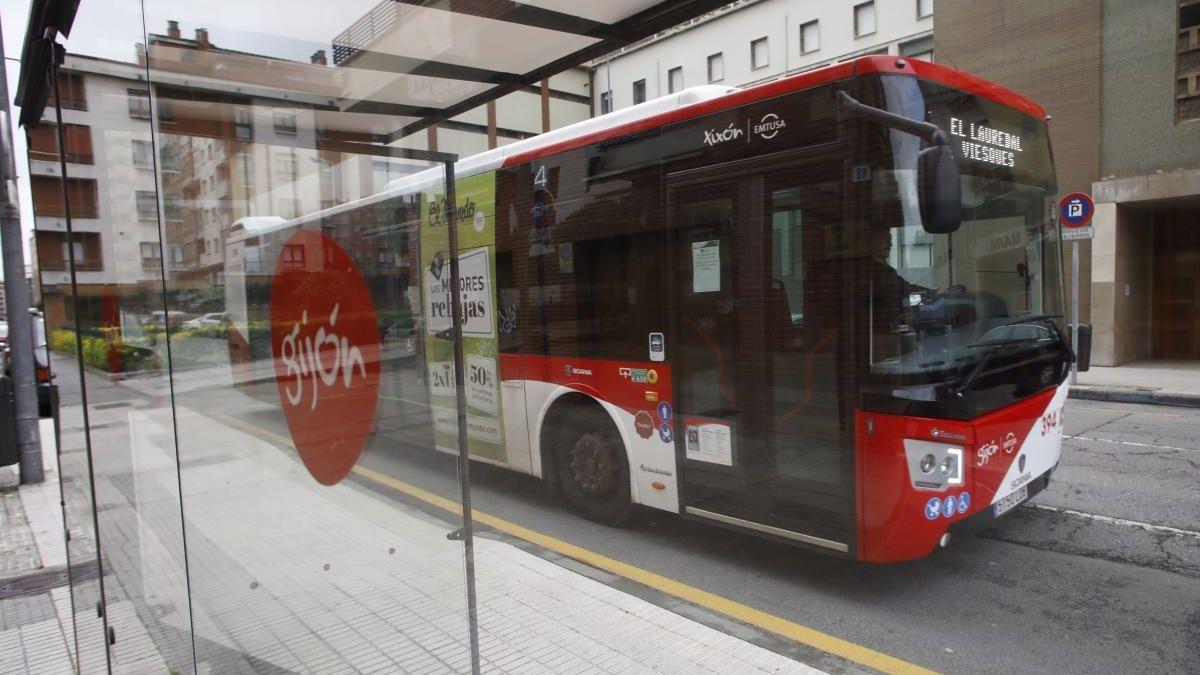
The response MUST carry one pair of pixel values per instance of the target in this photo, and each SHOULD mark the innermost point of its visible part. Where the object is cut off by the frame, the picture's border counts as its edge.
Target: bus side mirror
(938, 189)
(1083, 349)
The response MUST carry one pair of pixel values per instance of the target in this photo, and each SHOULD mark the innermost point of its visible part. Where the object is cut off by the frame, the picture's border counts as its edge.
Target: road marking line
(1117, 521)
(1131, 443)
(1127, 412)
(755, 617)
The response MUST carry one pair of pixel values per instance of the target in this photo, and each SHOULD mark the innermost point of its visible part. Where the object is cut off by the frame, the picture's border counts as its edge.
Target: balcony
(64, 265)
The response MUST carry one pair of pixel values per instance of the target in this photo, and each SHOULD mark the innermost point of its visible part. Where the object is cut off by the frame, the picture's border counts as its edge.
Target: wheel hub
(594, 464)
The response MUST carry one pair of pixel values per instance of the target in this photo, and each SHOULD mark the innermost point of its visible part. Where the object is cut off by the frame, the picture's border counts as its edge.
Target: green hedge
(112, 354)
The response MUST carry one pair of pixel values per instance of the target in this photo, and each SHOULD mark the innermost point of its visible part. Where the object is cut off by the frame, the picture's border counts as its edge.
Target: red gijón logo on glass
(325, 342)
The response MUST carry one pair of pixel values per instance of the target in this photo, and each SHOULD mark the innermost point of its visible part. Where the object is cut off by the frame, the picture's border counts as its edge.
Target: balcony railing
(362, 33)
(80, 265)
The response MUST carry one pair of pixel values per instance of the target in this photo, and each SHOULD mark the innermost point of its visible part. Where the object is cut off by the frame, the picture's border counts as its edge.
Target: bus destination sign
(981, 143)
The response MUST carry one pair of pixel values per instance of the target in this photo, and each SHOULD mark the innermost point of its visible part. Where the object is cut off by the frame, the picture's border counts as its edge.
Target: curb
(1132, 395)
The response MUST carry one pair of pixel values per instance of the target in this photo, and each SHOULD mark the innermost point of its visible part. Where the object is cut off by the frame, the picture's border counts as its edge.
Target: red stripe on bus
(862, 66)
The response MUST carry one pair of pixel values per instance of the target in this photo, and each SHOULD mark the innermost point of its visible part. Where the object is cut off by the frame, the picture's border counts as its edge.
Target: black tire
(590, 465)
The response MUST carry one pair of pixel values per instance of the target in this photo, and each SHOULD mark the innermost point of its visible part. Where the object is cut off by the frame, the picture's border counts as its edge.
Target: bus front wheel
(590, 465)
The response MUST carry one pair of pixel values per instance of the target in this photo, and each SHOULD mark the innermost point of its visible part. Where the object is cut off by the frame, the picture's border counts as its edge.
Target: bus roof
(689, 103)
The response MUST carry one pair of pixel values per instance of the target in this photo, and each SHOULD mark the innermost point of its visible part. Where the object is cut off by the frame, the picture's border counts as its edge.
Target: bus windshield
(946, 307)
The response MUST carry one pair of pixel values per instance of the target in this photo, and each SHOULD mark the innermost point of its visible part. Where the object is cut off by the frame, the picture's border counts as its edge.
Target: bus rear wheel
(591, 467)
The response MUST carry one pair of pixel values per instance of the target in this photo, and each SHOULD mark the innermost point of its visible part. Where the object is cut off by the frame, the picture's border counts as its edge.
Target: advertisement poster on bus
(477, 264)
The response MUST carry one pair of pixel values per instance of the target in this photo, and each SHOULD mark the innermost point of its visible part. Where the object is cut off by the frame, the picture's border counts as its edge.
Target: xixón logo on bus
(325, 342)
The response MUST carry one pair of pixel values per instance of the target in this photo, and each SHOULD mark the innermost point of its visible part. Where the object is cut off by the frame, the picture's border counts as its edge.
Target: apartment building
(233, 140)
(752, 41)
(110, 170)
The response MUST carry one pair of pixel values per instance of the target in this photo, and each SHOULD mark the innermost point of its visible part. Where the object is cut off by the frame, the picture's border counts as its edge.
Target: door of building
(1176, 320)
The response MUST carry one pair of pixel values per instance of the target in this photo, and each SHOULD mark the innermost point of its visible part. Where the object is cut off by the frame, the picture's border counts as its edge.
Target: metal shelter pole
(20, 323)
(460, 392)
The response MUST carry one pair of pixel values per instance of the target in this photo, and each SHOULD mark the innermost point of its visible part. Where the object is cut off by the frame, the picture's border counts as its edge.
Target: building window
(292, 257)
(48, 197)
(70, 88)
(170, 159)
(716, 67)
(675, 79)
(1187, 62)
(75, 248)
(760, 55)
(918, 49)
(285, 122)
(242, 125)
(924, 9)
(151, 250)
(605, 102)
(639, 92)
(43, 143)
(143, 154)
(864, 19)
(166, 110)
(147, 205)
(285, 166)
(810, 37)
(139, 104)
(172, 210)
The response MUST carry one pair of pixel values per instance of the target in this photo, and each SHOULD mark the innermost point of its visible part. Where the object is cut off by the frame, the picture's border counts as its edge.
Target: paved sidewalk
(1160, 382)
(288, 576)
(33, 573)
(381, 587)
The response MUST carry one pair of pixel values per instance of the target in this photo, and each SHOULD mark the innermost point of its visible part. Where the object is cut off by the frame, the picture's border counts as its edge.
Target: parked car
(41, 365)
(160, 318)
(210, 319)
(3, 334)
(41, 360)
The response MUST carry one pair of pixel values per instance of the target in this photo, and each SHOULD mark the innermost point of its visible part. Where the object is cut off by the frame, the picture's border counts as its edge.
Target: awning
(451, 56)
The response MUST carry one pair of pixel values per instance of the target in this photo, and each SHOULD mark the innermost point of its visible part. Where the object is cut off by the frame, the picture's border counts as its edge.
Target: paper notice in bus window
(709, 441)
(706, 266)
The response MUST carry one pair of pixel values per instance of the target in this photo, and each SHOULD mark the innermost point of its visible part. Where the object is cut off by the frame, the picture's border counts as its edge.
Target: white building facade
(752, 41)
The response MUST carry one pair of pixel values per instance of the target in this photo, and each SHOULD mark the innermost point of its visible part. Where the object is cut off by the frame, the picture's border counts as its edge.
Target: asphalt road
(1099, 573)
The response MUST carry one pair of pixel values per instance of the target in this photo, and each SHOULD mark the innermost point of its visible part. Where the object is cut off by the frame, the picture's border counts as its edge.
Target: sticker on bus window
(709, 440)
(658, 347)
(566, 258)
(706, 266)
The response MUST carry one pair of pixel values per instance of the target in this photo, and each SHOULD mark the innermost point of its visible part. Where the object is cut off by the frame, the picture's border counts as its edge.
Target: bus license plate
(1010, 501)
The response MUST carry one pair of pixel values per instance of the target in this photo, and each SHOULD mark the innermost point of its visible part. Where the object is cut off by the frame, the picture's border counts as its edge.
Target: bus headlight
(927, 463)
(948, 465)
(933, 466)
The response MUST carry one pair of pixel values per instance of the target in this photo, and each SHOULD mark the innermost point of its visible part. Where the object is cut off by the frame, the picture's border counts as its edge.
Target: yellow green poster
(475, 211)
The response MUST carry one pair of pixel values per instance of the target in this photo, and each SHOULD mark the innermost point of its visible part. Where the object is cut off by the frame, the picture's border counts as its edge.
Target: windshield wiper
(967, 381)
(994, 347)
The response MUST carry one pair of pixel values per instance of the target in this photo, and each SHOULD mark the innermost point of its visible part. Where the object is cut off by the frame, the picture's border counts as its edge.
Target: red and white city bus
(825, 309)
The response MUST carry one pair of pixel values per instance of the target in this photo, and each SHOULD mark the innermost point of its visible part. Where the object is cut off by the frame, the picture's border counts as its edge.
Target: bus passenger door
(718, 406)
(765, 439)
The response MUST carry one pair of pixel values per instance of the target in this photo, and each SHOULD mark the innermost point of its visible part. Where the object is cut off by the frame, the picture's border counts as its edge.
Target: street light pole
(20, 330)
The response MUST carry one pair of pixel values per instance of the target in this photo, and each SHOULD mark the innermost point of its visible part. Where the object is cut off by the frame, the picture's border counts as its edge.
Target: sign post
(1075, 212)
